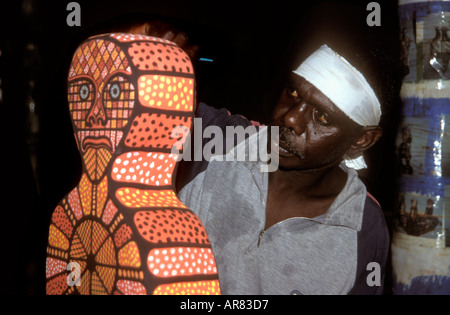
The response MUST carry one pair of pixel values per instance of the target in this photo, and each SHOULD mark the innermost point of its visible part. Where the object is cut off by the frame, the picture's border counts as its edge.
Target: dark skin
(162, 29)
(315, 136)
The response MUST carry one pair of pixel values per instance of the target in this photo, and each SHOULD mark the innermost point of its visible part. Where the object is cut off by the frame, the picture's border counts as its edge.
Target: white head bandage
(345, 86)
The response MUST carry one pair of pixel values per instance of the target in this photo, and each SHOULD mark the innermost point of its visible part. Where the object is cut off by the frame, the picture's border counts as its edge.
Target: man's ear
(368, 137)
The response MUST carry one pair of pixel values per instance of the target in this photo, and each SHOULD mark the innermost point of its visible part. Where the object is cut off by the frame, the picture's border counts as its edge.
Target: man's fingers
(193, 52)
(167, 31)
(141, 29)
(169, 35)
(181, 39)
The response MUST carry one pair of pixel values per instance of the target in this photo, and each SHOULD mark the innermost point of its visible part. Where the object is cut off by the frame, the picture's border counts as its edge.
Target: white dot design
(181, 261)
(148, 168)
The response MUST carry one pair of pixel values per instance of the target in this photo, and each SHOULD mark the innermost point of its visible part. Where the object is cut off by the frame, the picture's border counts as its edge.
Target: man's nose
(96, 117)
(296, 118)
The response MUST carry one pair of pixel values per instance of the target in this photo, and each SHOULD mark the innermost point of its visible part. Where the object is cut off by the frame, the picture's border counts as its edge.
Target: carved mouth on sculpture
(96, 143)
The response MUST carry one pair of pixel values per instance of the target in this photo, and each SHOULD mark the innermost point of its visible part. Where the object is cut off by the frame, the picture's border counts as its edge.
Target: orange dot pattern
(57, 286)
(75, 204)
(57, 239)
(85, 192)
(62, 221)
(97, 234)
(54, 266)
(131, 287)
(138, 198)
(110, 212)
(102, 196)
(156, 132)
(123, 37)
(165, 92)
(160, 57)
(189, 288)
(129, 255)
(123, 235)
(170, 225)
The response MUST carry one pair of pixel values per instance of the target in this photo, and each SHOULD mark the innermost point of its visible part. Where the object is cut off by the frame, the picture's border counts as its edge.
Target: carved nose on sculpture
(96, 117)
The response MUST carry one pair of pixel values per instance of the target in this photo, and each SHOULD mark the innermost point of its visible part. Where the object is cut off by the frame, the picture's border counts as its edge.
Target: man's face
(314, 132)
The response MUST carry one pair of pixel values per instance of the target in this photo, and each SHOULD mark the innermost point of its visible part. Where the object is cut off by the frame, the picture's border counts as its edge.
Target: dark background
(250, 43)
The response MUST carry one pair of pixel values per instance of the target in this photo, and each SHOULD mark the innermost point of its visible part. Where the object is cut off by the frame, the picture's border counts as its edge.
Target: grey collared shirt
(323, 255)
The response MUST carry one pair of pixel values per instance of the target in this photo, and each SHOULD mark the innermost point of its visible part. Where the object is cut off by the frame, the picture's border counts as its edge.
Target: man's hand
(167, 31)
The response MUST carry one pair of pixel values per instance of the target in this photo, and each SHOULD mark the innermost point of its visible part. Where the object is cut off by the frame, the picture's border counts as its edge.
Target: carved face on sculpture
(114, 88)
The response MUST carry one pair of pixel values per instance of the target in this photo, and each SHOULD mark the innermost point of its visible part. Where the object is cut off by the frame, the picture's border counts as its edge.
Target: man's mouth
(285, 149)
(282, 149)
(284, 152)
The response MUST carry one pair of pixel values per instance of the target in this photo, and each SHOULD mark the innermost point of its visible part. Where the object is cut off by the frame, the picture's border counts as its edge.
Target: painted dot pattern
(109, 213)
(57, 286)
(149, 168)
(181, 261)
(123, 234)
(57, 239)
(128, 287)
(165, 92)
(155, 131)
(129, 255)
(123, 37)
(75, 204)
(189, 288)
(54, 266)
(102, 197)
(160, 57)
(85, 194)
(138, 198)
(61, 221)
(94, 237)
(170, 225)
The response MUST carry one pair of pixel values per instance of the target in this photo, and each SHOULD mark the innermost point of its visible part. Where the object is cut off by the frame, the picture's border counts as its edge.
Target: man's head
(373, 52)
(327, 113)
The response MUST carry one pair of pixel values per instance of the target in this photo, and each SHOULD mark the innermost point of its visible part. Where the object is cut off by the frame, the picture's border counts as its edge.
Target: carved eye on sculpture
(114, 91)
(81, 96)
(118, 100)
(84, 92)
(118, 89)
(81, 91)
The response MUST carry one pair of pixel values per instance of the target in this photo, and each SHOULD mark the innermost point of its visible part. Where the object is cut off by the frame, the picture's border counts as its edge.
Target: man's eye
(292, 92)
(321, 117)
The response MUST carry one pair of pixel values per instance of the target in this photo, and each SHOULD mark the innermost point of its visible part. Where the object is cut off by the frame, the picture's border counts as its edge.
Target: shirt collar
(348, 207)
(346, 210)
